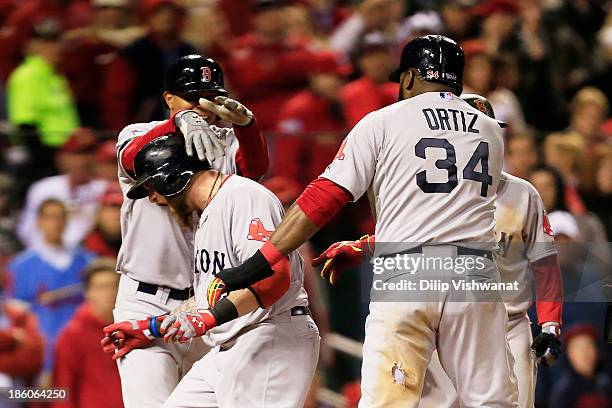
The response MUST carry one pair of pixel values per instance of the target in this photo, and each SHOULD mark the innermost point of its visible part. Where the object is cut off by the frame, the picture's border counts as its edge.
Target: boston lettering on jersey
(205, 261)
(451, 119)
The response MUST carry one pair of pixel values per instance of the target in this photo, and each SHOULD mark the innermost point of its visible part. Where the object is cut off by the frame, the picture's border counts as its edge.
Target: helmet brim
(396, 75)
(137, 191)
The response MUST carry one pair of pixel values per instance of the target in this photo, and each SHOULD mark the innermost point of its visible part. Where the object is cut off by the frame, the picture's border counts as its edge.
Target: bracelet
(153, 327)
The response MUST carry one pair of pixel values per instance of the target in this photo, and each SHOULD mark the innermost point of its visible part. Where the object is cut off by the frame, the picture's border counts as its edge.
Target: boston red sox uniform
(524, 237)
(265, 358)
(155, 261)
(431, 165)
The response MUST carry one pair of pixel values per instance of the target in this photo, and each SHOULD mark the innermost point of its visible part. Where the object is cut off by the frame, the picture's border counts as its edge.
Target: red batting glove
(123, 337)
(344, 255)
(183, 326)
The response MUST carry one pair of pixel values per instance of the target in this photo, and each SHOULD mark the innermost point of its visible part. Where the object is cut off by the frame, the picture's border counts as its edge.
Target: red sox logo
(481, 106)
(206, 74)
(257, 231)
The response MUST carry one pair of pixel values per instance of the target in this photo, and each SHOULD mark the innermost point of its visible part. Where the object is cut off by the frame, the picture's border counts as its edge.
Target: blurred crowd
(75, 72)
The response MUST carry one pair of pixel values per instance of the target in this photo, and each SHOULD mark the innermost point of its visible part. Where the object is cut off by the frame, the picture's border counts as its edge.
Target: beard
(180, 210)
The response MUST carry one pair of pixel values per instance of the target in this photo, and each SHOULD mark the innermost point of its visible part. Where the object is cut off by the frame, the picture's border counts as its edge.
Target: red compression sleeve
(129, 152)
(269, 290)
(252, 157)
(322, 200)
(549, 289)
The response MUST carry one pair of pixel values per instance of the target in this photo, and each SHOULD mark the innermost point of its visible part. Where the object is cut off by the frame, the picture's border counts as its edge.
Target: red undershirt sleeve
(322, 200)
(129, 152)
(252, 159)
(549, 289)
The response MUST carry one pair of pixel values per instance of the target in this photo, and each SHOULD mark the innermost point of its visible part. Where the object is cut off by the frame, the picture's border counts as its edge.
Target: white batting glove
(198, 134)
(229, 110)
(182, 326)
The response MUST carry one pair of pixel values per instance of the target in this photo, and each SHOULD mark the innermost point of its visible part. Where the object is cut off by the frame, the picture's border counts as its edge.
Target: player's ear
(409, 79)
(168, 97)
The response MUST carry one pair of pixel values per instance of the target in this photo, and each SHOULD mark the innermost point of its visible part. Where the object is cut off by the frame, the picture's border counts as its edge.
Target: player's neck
(203, 188)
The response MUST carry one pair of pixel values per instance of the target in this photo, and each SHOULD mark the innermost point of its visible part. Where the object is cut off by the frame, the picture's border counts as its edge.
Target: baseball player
(265, 342)
(155, 256)
(431, 165)
(526, 249)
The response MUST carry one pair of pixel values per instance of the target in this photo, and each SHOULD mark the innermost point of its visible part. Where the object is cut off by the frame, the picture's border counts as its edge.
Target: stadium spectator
(370, 16)
(22, 19)
(585, 383)
(311, 127)
(564, 153)
(48, 278)
(502, 96)
(105, 239)
(589, 109)
(76, 187)
(80, 365)
(39, 100)
(372, 90)
(9, 243)
(457, 19)
(106, 162)
(521, 154)
(21, 347)
(143, 64)
(88, 53)
(267, 67)
(599, 202)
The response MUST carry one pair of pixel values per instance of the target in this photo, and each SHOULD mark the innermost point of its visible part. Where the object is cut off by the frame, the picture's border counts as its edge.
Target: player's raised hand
(198, 134)
(183, 326)
(343, 255)
(229, 110)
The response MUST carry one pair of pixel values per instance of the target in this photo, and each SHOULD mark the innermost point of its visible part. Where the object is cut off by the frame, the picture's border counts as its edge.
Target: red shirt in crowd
(21, 344)
(81, 365)
(264, 76)
(363, 96)
(309, 134)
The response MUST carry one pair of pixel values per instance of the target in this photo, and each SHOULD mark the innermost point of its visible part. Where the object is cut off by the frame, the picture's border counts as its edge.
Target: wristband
(251, 271)
(551, 328)
(223, 312)
(153, 329)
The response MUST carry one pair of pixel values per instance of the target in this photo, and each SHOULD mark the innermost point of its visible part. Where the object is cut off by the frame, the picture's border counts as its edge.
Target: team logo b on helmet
(206, 74)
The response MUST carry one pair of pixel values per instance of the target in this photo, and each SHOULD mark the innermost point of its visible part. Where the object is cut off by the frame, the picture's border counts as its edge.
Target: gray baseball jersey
(236, 223)
(431, 165)
(523, 235)
(155, 248)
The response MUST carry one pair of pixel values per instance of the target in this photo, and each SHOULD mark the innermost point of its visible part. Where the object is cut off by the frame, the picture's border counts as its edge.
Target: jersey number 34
(480, 155)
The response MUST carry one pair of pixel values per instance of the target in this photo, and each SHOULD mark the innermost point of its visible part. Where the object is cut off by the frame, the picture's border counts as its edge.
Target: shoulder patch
(257, 231)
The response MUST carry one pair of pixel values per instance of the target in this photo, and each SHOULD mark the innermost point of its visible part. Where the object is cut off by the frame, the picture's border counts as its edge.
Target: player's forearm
(252, 157)
(320, 202)
(244, 300)
(549, 289)
(294, 231)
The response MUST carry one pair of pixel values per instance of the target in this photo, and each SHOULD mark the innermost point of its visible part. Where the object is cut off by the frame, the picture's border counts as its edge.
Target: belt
(176, 294)
(300, 311)
(461, 251)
